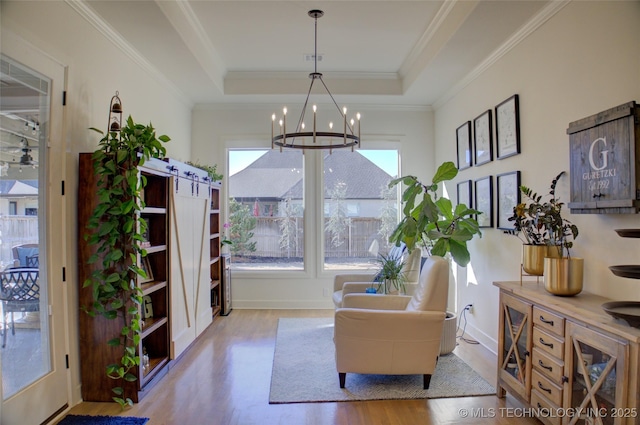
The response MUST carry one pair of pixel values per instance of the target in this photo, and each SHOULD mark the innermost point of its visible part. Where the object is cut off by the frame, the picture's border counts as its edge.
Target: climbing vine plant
(115, 229)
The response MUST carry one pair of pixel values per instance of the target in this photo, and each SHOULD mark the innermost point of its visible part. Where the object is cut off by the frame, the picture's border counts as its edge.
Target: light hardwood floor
(224, 379)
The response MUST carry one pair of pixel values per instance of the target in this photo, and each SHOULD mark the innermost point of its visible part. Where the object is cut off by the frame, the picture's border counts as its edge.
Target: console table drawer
(550, 321)
(548, 343)
(550, 390)
(540, 402)
(549, 366)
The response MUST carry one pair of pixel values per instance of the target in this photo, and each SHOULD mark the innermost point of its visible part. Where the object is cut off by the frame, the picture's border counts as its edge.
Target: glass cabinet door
(514, 363)
(596, 366)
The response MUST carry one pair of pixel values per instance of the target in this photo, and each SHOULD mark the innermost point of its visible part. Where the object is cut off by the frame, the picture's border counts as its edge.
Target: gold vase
(563, 276)
(533, 258)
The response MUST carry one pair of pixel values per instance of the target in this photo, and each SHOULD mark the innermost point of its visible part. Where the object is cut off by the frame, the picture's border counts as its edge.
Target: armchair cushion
(433, 286)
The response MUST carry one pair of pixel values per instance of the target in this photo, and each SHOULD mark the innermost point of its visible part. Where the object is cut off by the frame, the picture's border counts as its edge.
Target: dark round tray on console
(628, 233)
(630, 271)
(626, 310)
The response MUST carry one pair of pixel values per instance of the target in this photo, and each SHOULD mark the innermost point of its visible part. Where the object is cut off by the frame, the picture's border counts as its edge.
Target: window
(355, 208)
(13, 208)
(266, 209)
(360, 211)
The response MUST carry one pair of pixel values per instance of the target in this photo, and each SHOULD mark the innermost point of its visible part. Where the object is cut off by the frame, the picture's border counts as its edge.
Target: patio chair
(19, 293)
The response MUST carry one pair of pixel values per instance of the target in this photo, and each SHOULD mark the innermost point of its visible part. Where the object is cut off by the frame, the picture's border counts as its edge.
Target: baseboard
(485, 340)
(283, 305)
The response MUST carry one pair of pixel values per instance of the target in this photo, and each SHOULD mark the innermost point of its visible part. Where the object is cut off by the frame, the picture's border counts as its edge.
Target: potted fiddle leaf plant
(115, 230)
(432, 221)
(548, 238)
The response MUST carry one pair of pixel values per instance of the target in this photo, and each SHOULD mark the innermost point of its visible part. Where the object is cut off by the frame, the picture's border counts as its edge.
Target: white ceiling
(373, 52)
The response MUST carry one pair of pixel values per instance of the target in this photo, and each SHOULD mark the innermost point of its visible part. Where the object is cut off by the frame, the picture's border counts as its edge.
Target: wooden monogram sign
(605, 161)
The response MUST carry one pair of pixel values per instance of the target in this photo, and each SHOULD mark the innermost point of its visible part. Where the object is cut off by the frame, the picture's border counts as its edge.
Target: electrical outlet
(469, 307)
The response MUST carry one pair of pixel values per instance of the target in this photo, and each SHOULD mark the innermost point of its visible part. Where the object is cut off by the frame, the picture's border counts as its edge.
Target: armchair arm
(340, 279)
(376, 301)
(356, 287)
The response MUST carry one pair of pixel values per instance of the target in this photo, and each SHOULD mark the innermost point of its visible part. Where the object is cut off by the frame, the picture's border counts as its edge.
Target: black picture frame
(508, 194)
(483, 138)
(508, 127)
(463, 145)
(484, 201)
(465, 193)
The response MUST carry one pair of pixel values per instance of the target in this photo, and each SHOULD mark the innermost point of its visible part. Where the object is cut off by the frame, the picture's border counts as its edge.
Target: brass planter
(533, 258)
(563, 276)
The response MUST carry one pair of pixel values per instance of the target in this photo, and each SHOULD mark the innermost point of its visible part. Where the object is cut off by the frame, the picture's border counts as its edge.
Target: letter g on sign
(603, 154)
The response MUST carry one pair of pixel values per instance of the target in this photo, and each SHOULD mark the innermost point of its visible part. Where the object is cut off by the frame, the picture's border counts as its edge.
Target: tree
(240, 232)
(388, 213)
(338, 223)
(289, 226)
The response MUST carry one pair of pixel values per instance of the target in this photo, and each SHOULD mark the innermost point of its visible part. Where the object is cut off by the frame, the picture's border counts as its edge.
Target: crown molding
(428, 34)
(527, 29)
(186, 22)
(86, 12)
(273, 106)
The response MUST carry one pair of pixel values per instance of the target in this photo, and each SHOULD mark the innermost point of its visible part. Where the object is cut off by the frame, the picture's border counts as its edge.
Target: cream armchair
(358, 282)
(394, 334)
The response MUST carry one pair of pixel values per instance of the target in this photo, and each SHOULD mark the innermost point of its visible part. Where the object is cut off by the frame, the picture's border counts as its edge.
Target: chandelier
(301, 139)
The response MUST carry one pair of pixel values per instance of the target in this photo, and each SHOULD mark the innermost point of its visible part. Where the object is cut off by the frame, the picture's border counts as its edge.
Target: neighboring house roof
(270, 176)
(18, 187)
(279, 175)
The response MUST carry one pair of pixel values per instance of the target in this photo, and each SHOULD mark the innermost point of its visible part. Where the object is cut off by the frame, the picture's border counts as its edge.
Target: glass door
(32, 351)
(515, 344)
(597, 367)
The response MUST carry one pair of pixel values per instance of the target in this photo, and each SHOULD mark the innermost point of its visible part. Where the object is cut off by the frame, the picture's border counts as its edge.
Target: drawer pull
(548, 344)
(543, 388)
(548, 322)
(542, 365)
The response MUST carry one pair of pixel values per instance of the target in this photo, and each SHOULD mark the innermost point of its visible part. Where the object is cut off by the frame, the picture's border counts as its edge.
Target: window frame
(313, 261)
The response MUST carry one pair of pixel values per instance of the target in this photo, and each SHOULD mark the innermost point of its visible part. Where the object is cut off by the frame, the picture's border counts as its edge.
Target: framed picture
(484, 201)
(146, 266)
(465, 193)
(463, 143)
(508, 128)
(508, 189)
(483, 141)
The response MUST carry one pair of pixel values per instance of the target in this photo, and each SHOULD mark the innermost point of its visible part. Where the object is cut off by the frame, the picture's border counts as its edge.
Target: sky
(385, 159)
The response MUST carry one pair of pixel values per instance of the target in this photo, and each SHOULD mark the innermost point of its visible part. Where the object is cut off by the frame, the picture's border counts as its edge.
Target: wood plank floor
(224, 379)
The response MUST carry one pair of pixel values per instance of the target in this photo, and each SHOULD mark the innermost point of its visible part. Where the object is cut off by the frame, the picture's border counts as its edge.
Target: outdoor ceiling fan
(23, 149)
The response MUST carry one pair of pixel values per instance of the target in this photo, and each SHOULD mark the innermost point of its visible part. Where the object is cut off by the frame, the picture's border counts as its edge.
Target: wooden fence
(16, 230)
(356, 242)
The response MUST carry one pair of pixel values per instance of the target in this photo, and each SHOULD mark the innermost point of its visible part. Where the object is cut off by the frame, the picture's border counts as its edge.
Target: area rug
(102, 420)
(304, 371)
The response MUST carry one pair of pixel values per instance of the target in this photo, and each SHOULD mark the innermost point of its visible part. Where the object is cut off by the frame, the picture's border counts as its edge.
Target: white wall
(96, 69)
(584, 60)
(216, 128)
